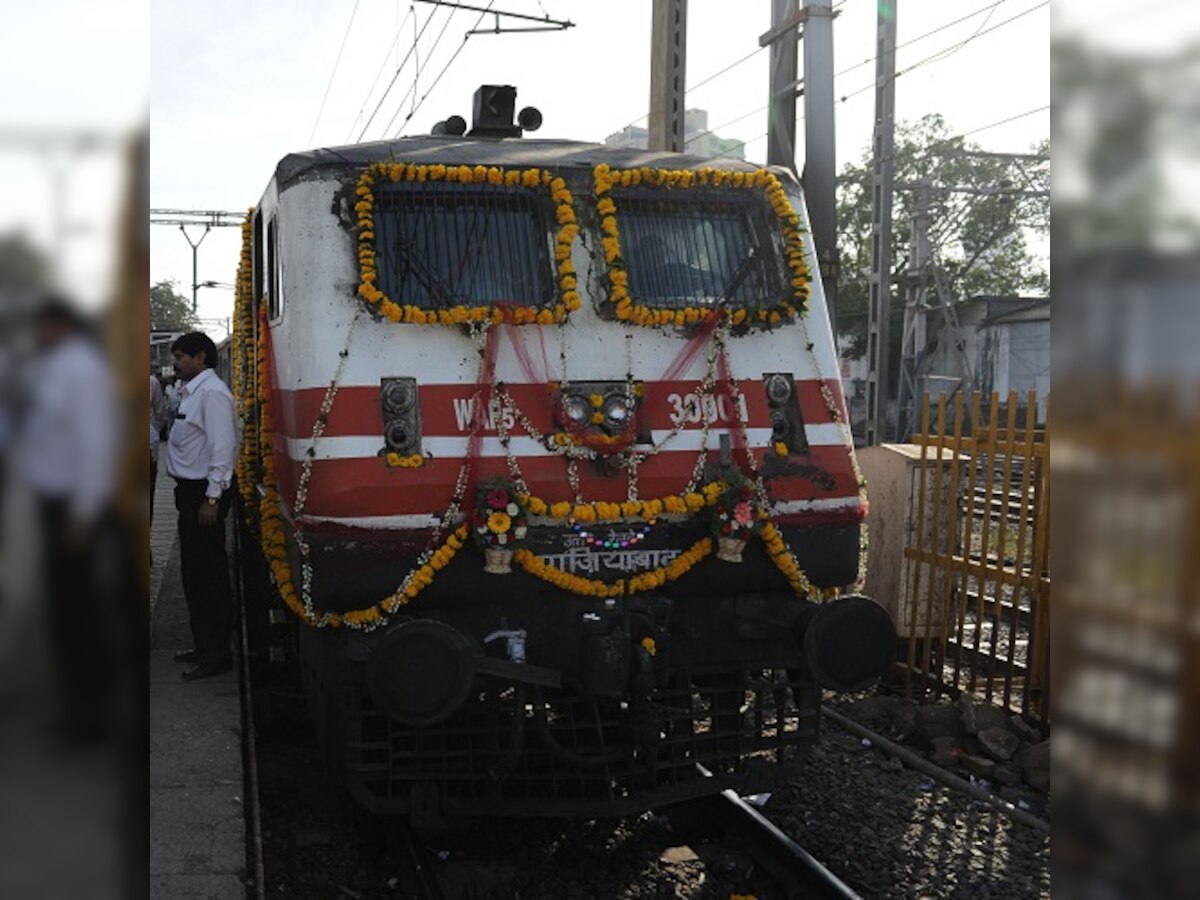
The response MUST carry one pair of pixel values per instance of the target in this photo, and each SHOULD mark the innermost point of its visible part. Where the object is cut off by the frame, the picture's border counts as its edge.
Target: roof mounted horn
(493, 113)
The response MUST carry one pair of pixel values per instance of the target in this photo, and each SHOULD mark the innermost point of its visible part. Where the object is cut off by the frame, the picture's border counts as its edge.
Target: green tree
(980, 240)
(169, 309)
(22, 266)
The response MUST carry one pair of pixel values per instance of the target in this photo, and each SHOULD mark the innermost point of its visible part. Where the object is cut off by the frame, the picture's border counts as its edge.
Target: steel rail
(797, 871)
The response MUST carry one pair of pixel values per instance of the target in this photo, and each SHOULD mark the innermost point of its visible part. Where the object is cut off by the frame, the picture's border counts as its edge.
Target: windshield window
(443, 244)
(683, 251)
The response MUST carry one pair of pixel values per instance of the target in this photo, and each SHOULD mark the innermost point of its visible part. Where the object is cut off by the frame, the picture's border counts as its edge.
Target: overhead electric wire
(412, 91)
(421, 102)
(923, 35)
(382, 66)
(941, 54)
(705, 80)
(336, 63)
(974, 34)
(391, 83)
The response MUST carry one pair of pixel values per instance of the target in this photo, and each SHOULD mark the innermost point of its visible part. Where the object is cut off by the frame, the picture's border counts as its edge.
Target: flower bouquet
(736, 516)
(499, 525)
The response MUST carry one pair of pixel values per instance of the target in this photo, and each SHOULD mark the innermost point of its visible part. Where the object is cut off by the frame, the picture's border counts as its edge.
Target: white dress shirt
(68, 445)
(203, 440)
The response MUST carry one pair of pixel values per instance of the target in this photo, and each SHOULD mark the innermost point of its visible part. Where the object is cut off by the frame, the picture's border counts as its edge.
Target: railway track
(797, 872)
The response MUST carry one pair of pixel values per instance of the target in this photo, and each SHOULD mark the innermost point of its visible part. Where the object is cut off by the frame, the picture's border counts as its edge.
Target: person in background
(171, 389)
(200, 457)
(158, 420)
(67, 452)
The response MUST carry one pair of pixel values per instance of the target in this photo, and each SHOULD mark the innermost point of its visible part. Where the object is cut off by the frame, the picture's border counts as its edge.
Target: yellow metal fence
(979, 555)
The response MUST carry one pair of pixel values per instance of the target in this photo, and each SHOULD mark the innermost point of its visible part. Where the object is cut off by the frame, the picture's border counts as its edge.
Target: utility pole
(914, 337)
(879, 297)
(783, 39)
(820, 163)
(668, 64)
(924, 271)
(820, 146)
(195, 245)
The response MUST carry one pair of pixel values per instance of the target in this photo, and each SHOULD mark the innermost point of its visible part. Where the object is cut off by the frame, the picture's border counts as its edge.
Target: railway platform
(197, 800)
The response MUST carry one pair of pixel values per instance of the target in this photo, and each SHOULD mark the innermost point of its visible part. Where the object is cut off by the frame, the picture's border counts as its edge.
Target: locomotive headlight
(399, 395)
(779, 425)
(617, 411)
(779, 389)
(577, 408)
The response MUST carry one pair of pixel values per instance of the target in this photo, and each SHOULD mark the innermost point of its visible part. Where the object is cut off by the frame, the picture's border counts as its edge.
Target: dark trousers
(84, 620)
(205, 569)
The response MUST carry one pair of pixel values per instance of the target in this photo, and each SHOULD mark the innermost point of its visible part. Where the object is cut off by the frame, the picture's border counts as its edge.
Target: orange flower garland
(368, 273)
(630, 310)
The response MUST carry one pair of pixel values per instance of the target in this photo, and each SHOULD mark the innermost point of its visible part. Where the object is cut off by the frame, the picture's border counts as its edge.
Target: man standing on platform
(200, 457)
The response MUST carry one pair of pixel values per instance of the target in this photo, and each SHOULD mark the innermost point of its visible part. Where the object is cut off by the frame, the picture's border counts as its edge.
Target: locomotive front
(546, 452)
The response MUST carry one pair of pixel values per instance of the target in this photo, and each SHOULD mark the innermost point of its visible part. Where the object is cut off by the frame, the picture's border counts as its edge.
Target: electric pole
(820, 146)
(914, 337)
(668, 64)
(879, 296)
(783, 39)
(210, 219)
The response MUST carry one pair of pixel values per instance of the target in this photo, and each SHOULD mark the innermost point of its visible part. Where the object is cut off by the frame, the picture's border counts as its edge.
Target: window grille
(444, 244)
(682, 250)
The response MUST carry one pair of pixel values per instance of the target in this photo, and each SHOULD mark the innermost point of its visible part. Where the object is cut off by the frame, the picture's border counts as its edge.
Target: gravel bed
(888, 834)
(891, 832)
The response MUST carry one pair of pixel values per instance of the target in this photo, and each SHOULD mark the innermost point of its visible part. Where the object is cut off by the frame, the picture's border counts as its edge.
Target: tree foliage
(23, 267)
(980, 240)
(169, 309)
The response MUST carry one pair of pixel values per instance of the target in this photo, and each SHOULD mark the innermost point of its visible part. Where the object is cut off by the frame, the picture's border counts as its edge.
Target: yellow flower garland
(243, 357)
(629, 309)
(368, 273)
(601, 511)
(396, 461)
(592, 587)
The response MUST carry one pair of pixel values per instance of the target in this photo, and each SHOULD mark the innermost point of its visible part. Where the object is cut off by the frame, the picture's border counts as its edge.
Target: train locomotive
(545, 453)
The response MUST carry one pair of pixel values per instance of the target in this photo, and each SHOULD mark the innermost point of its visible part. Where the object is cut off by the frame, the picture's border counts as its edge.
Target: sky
(70, 67)
(237, 85)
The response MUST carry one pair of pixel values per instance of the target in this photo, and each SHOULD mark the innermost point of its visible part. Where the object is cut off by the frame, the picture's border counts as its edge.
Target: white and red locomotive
(546, 450)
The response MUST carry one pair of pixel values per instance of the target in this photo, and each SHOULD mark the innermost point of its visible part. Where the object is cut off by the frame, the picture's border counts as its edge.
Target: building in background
(1005, 342)
(698, 140)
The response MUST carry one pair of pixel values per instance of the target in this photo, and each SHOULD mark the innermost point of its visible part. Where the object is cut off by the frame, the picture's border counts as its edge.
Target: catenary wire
(382, 66)
(392, 83)
(837, 6)
(412, 90)
(336, 63)
(941, 54)
(923, 35)
(936, 57)
(421, 102)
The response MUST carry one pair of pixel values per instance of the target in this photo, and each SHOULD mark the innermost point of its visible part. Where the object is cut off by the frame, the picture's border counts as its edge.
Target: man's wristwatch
(213, 501)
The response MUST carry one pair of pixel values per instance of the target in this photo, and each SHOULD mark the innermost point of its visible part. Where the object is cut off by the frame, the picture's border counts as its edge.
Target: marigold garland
(256, 453)
(389, 308)
(630, 309)
(592, 587)
(396, 461)
(243, 358)
(601, 511)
